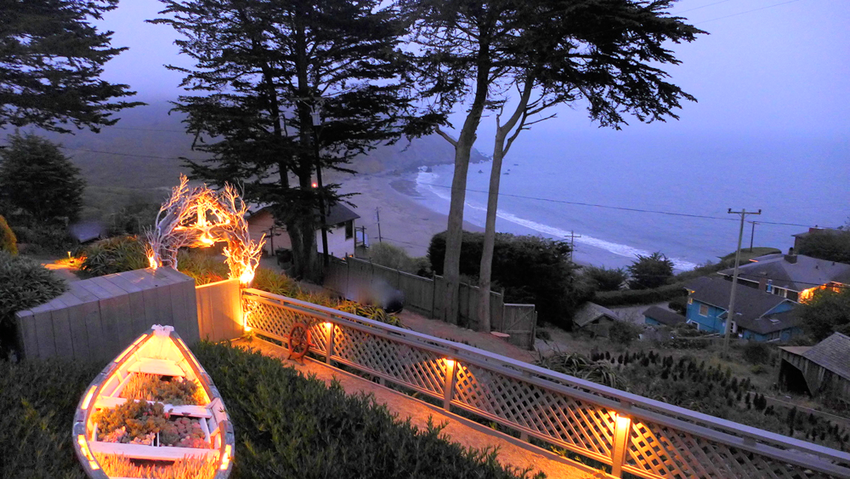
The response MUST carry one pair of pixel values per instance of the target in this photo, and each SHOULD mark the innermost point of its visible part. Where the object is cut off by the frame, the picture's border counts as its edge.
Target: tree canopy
(51, 58)
(283, 89)
(648, 272)
(829, 245)
(38, 179)
(827, 312)
(608, 54)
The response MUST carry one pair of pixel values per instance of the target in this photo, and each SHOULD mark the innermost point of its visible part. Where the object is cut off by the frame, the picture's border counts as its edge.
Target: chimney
(791, 257)
(763, 282)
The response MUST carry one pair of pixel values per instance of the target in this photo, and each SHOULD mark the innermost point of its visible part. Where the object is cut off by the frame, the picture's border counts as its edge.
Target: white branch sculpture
(201, 217)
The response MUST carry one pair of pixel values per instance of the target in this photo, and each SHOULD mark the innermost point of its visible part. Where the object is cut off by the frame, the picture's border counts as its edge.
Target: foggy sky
(768, 66)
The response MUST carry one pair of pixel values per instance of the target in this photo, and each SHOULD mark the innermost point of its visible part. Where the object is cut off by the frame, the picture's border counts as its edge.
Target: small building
(658, 316)
(759, 316)
(595, 318)
(339, 222)
(820, 369)
(792, 276)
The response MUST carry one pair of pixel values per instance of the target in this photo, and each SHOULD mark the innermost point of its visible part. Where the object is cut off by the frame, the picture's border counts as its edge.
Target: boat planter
(151, 406)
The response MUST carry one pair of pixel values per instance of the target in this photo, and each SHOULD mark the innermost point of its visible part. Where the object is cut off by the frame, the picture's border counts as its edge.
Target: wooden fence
(97, 318)
(628, 434)
(353, 279)
(220, 310)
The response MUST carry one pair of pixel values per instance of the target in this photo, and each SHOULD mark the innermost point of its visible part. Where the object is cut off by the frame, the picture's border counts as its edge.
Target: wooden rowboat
(160, 358)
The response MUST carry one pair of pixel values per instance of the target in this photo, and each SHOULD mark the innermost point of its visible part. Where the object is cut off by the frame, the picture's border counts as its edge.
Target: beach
(404, 222)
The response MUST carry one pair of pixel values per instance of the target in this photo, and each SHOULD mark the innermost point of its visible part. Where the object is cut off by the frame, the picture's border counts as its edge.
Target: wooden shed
(822, 368)
(97, 318)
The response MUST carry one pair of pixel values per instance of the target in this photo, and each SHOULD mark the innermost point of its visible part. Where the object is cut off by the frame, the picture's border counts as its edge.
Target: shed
(822, 368)
(657, 315)
(595, 318)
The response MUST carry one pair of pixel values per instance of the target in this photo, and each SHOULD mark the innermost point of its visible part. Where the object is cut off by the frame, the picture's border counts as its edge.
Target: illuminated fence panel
(632, 434)
(667, 452)
(535, 409)
(416, 368)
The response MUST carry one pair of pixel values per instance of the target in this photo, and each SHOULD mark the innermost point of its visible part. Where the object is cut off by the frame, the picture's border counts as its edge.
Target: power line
(121, 154)
(621, 208)
(704, 6)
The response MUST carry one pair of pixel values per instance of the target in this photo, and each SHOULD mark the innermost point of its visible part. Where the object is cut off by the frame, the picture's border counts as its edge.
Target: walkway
(512, 451)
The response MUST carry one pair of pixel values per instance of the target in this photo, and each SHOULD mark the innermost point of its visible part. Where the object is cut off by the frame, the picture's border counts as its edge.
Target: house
(801, 236)
(822, 368)
(759, 316)
(658, 316)
(792, 276)
(339, 222)
(595, 318)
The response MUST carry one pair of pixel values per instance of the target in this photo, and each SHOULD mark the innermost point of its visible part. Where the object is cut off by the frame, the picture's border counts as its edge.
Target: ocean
(617, 195)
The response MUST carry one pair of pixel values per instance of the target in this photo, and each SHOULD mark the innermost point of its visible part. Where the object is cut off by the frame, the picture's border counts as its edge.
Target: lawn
(287, 426)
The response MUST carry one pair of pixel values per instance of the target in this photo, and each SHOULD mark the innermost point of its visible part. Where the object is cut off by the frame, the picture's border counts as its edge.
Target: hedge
(639, 296)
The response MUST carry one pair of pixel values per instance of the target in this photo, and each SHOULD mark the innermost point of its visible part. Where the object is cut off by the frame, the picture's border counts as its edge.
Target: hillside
(143, 151)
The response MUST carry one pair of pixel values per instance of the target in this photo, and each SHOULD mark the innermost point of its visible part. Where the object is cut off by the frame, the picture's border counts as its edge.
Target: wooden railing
(629, 433)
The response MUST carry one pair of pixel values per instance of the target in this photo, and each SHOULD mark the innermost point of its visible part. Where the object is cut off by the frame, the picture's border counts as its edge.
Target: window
(690, 300)
(349, 229)
(703, 310)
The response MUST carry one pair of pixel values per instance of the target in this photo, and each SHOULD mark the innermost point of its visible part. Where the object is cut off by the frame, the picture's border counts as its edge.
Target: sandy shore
(404, 222)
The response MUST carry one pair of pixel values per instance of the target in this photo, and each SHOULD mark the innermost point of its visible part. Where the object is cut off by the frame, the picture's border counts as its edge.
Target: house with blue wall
(759, 316)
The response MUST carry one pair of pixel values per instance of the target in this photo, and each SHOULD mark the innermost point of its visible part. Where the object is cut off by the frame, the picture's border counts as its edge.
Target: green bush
(757, 353)
(24, 283)
(830, 245)
(394, 257)
(275, 283)
(204, 268)
(606, 279)
(45, 238)
(529, 268)
(640, 296)
(648, 272)
(114, 255)
(624, 332)
(8, 242)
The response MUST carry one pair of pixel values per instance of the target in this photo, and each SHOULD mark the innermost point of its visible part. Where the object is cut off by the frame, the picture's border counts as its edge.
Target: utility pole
(573, 237)
(730, 316)
(752, 234)
(378, 214)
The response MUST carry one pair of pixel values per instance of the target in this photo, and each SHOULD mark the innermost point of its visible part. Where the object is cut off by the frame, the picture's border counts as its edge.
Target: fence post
(329, 344)
(449, 387)
(622, 426)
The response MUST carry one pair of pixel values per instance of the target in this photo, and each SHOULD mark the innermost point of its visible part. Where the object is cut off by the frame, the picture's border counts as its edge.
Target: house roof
(338, 213)
(751, 305)
(664, 316)
(805, 273)
(833, 353)
(590, 312)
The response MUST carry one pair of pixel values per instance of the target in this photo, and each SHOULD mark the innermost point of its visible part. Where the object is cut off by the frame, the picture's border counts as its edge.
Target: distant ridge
(143, 149)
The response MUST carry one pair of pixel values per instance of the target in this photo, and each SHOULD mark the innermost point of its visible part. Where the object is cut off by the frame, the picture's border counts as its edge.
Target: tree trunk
(500, 149)
(463, 148)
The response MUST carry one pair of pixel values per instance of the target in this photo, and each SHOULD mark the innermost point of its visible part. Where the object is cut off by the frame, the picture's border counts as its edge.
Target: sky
(767, 66)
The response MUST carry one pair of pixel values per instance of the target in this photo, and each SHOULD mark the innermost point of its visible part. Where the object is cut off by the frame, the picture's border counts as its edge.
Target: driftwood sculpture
(201, 217)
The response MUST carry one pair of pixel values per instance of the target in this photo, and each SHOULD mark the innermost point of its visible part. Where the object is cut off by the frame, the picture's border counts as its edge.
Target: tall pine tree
(283, 87)
(51, 58)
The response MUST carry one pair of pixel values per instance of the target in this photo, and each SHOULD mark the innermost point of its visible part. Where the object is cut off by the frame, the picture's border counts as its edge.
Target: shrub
(202, 267)
(275, 283)
(394, 257)
(830, 245)
(45, 238)
(8, 242)
(624, 332)
(641, 296)
(757, 353)
(827, 312)
(606, 279)
(114, 255)
(651, 271)
(530, 269)
(679, 305)
(24, 283)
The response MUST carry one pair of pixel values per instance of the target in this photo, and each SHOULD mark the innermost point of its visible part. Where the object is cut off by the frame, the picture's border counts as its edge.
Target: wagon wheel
(299, 341)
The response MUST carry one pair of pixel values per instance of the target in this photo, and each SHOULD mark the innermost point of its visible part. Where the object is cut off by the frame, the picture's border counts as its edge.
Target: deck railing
(629, 433)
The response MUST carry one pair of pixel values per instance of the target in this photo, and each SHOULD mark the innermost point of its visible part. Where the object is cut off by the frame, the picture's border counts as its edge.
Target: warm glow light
(315, 185)
(207, 240)
(225, 459)
(449, 362)
(328, 325)
(622, 421)
(84, 449)
(246, 277)
(87, 399)
(152, 262)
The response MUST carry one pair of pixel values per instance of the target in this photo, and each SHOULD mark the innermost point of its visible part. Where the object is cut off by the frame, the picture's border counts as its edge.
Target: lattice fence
(629, 433)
